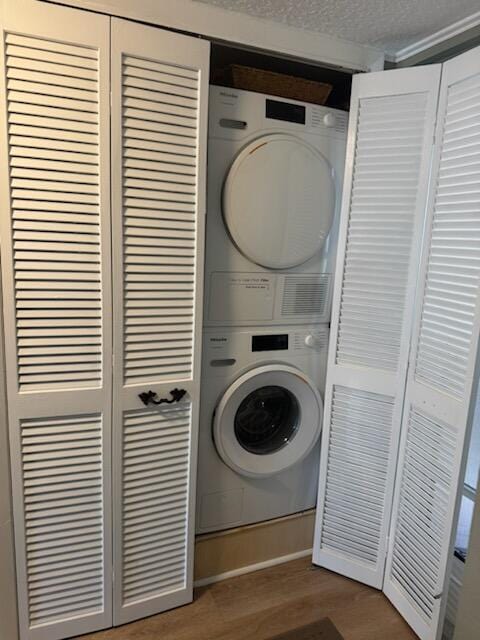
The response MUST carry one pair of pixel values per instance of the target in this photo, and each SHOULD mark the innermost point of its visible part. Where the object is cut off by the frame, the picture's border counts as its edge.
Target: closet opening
(224, 57)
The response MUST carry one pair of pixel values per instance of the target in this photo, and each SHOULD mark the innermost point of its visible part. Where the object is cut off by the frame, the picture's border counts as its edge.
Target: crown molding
(453, 30)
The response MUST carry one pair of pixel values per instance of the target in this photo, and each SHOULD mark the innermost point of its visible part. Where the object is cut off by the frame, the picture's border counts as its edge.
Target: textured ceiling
(388, 24)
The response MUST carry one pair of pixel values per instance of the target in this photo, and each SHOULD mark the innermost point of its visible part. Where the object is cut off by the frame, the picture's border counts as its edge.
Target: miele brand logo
(218, 339)
(228, 95)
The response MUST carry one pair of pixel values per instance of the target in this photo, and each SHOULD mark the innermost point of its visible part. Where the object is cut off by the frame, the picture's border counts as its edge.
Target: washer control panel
(240, 342)
(270, 342)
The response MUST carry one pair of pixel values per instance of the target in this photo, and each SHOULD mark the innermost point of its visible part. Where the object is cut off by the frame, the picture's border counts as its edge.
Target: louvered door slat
(152, 213)
(159, 91)
(445, 343)
(47, 201)
(354, 497)
(388, 161)
(55, 241)
(167, 494)
(371, 335)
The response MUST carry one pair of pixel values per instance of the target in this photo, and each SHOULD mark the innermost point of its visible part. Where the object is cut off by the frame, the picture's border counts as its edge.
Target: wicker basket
(278, 84)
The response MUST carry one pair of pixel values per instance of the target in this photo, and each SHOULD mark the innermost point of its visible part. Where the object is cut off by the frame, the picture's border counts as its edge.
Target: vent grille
(381, 222)
(426, 484)
(156, 447)
(53, 146)
(306, 295)
(160, 112)
(453, 275)
(358, 457)
(62, 487)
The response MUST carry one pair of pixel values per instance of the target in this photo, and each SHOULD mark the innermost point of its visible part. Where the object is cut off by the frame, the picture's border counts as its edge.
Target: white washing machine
(260, 422)
(275, 173)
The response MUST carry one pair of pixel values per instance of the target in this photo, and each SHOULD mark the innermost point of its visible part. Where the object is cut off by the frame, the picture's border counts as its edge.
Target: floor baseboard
(234, 551)
(252, 567)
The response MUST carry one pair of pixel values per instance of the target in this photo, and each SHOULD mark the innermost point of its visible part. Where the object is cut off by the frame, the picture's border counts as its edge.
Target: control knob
(329, 120)
(312, 340)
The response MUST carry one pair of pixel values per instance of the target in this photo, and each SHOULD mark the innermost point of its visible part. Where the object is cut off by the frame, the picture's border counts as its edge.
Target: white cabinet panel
(388, 159)
(441, 389)
(159, 109)
(55, 244)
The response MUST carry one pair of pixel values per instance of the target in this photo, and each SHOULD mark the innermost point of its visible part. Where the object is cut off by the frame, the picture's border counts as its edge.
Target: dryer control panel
(235, 112)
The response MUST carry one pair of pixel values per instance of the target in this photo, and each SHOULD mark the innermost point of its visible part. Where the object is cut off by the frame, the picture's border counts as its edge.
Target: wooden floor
(261, 604)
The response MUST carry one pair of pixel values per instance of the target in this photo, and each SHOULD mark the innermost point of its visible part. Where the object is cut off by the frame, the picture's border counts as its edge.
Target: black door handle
(150, 397)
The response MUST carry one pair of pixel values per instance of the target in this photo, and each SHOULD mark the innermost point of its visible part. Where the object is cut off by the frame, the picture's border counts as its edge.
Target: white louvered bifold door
(159, 120)
(443, 359)
(55, 249)
(388, 159)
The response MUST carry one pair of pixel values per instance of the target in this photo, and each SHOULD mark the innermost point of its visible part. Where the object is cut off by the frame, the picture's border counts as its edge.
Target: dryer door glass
(279, 201)
(266, 420)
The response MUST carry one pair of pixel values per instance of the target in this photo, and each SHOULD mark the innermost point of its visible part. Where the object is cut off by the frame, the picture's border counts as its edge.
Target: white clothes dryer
(275, 173)
(260, 420)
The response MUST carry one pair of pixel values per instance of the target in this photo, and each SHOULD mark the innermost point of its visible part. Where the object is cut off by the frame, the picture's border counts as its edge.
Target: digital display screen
(285, 111)
(276, 342)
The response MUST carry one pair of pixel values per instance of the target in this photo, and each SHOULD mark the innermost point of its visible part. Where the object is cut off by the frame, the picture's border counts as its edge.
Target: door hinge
(387, 551)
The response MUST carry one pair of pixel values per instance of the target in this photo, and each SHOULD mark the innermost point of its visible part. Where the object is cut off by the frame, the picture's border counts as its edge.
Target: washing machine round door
(279, 201)
(268, 419)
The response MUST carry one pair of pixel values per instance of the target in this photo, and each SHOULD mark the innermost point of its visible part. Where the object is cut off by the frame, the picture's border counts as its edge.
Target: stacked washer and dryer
(275, 171)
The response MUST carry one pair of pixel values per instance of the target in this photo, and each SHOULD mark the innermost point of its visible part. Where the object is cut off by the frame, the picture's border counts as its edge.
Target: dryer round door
(269, 419)
(279, 201)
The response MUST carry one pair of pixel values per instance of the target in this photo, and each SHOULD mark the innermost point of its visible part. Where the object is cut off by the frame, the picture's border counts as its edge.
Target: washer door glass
(279, 201)
(267, 419)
